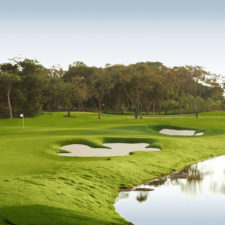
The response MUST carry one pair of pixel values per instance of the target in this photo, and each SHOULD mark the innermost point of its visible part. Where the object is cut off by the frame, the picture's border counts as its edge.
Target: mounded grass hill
(39, 187)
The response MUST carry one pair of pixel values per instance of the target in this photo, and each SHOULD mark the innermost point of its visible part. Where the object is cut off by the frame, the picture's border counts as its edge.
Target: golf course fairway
(39, 187)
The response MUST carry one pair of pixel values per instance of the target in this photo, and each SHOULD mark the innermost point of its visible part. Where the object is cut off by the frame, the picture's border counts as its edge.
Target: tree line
(28, 87)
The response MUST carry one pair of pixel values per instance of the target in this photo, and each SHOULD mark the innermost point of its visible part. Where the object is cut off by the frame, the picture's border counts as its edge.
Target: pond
(192, 196)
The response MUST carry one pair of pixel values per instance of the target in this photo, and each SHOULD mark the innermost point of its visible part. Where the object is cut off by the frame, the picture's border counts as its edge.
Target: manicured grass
(39, 187)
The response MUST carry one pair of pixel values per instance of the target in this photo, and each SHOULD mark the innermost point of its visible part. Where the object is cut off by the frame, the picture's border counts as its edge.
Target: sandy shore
(173, 132)
(116, 149)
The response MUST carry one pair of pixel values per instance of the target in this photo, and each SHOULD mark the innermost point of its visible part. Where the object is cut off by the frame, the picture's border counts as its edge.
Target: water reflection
(123, 195)
(157, 182)
(142, 196)
(198, 189)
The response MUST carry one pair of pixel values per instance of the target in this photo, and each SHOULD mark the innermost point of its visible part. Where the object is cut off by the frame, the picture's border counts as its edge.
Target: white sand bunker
(116, 149)
(174, 132)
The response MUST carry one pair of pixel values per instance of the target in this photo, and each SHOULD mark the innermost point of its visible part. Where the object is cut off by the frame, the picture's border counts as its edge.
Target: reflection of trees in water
(193, 179)
(142, 196)
(222, 190)
(191, 186)
(217, 188)
(194, 172)
(123, 195)
(189, 179)
(157, 182)
(191, 173)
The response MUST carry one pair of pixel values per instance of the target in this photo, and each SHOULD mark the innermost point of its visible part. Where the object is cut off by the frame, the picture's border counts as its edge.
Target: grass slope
(38, 187)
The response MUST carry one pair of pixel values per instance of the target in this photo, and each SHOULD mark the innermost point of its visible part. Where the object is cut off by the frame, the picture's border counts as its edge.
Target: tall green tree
(8, 78)
(99, 84)
(34, 81)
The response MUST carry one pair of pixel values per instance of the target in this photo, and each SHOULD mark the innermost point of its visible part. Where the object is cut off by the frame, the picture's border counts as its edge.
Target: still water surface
(193, 196)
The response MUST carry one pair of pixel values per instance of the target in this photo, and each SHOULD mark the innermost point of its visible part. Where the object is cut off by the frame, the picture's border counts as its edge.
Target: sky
(97, 32)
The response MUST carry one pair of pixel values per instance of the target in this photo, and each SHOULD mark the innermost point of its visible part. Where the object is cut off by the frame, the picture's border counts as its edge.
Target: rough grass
(38, 187)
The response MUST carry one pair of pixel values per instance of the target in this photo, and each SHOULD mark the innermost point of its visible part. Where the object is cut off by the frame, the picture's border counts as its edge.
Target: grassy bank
(38, 187)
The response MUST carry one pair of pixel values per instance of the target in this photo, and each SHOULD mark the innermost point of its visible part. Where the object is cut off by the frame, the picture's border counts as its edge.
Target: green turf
(39, 187)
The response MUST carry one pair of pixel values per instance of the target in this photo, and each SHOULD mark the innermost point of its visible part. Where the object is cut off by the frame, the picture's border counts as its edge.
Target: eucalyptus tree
(79, 69)
(99, 85)
(8, 78)
(54, 94)
(74, 93)
(27, 86)
(116, 99)
(136, 82)
(34, 81)
(198, 86)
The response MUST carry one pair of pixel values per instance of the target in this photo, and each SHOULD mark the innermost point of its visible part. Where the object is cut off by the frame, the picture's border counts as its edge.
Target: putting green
(39, 187)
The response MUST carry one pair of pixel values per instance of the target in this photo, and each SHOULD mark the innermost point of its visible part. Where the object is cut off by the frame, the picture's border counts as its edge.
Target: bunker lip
(174, 132)
(113, 149)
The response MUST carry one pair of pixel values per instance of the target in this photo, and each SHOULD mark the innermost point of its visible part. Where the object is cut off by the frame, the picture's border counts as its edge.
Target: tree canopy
(28, 87)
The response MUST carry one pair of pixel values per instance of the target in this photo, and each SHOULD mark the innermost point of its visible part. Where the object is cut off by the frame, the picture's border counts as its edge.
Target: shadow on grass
(45, 215)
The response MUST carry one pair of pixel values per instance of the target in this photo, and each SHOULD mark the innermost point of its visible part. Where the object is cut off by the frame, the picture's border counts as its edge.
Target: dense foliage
(28, 87)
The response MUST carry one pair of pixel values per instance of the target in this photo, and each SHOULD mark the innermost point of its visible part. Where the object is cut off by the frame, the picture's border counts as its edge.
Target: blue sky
(175, 32)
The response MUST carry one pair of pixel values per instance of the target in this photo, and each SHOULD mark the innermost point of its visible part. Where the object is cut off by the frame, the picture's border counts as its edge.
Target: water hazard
(193, 196)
